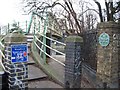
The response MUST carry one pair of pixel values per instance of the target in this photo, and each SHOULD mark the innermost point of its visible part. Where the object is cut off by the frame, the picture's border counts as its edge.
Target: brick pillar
(108, 52)
(73, 62)
(16, 60)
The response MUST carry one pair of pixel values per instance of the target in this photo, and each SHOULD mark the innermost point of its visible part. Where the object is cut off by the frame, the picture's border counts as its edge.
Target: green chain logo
(104, 39)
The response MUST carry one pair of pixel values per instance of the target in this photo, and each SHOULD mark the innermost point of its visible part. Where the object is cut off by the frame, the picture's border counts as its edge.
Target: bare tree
(74, 21)
(91, 20)
(112, 8)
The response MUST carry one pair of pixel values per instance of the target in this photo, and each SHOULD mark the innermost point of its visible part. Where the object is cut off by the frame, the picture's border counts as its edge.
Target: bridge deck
(37, 78)
(58, 67)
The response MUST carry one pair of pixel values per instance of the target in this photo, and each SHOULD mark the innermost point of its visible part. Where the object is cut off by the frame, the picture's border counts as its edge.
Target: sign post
(19, 53)
(16, 53)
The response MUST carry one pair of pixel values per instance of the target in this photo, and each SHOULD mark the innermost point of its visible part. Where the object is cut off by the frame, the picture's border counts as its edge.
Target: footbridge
(45, 62)
(46, 55)
(50, 62)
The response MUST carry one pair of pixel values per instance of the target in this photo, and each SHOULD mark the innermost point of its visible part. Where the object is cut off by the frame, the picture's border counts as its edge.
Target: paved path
(37, 78)
(58, 67)
(30, 61)
(43, 84)
(56, 70)
(35, 73)
(60, 70)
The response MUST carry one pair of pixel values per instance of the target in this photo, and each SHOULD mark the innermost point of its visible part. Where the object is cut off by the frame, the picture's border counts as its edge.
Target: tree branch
(112, 11)
(73, 14)
(100, 10)
(107, 10)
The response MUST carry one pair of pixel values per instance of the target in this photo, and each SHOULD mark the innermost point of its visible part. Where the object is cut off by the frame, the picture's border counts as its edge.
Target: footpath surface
(60, 70)
(37, 78)
(56, 70)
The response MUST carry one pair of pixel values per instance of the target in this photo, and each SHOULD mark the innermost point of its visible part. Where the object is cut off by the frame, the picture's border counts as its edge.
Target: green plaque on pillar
(104, 39)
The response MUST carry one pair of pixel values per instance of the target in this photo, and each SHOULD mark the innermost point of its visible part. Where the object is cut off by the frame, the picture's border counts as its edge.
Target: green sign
(104, 39)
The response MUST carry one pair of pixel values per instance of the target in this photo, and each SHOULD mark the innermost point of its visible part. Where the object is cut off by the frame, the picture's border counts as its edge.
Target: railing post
(39, 26)
(18, 24)
(73, 62)
(8, 27)
(0, 31)
(48, 42)
(29, 26)
(26, 25)
(44, 48)
(44, 39)
(34, 32)
(16, 60)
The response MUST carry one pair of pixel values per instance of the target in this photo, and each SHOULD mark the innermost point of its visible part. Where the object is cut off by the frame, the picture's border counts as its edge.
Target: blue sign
(19, 53)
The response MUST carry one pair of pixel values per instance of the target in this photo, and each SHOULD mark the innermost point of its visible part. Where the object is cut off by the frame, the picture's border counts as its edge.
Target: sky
(11, 10)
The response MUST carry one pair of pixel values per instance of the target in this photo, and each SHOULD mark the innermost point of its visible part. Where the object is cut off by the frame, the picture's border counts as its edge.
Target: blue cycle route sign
(19, 53)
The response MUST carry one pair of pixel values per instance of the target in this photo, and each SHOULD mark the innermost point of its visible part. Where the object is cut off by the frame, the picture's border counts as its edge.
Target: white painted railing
(52, 39)
(49, 47)
(48, 54)
(1, 52)
(41, 34)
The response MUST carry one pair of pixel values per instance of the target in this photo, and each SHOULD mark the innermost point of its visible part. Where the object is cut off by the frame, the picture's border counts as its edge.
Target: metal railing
(39, 26)
(50, 49)
(40, 37)
(1, 52)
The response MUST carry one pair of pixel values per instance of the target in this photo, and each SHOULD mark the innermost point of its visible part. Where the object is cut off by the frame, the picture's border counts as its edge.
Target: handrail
(29, 26)
(1, 61)
(2, 45)
(44, 40)
(50, 47)
(2, 52)
(49, 55)
(52, 39)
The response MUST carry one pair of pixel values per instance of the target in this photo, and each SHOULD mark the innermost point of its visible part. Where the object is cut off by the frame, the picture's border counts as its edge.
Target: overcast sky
(10, 10)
